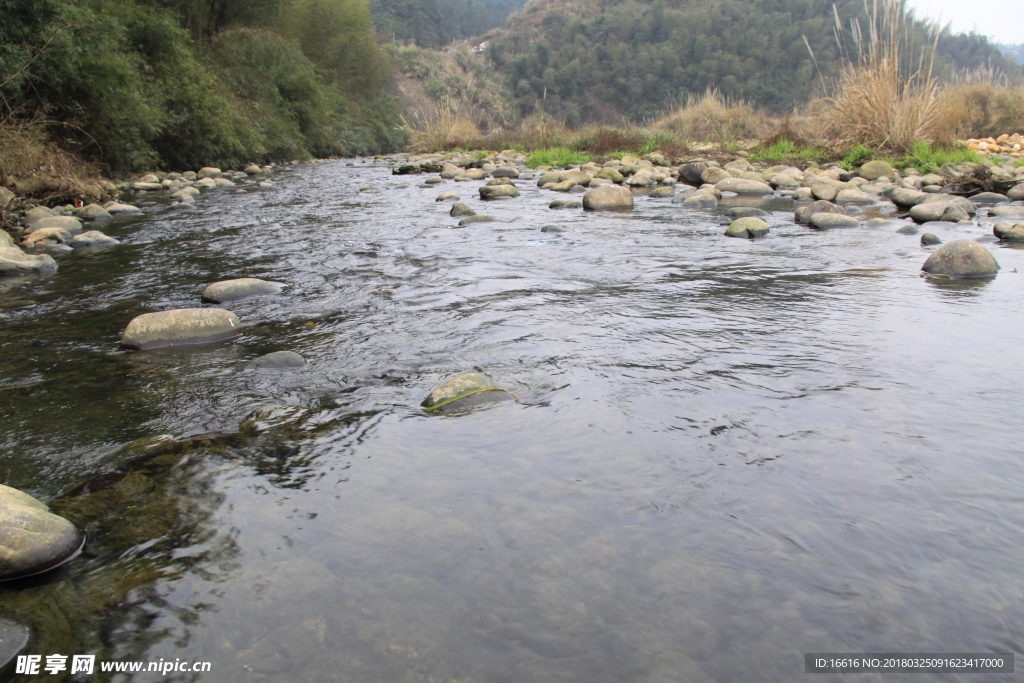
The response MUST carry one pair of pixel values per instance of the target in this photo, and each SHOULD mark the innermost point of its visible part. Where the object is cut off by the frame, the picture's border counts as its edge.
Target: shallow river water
(726, 453)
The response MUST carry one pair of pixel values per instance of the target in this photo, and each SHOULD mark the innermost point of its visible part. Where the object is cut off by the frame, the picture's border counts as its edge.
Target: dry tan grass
(986, 105)
(714, 118)
(32, 165)
(446, 130)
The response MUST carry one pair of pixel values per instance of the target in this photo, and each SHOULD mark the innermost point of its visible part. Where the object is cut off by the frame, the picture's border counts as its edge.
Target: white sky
(1000, 20)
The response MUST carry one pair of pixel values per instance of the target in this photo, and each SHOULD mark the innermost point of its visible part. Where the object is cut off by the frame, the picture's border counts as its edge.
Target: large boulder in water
(13, 261)
(608, 198)
(460, 209)
(691, 173)
(962, 259)
(464, 391)
(180, 327)
(229, 290)
(32, 539)
(92, 238)
(69, 223)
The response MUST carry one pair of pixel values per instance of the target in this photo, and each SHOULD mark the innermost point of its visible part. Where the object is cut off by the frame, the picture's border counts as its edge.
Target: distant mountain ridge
(588, 61)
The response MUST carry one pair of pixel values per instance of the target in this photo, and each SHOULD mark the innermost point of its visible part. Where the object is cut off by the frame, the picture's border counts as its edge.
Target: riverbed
(726, 453)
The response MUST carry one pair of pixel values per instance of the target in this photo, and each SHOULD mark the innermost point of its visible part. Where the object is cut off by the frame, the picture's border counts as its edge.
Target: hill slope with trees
(605, 60)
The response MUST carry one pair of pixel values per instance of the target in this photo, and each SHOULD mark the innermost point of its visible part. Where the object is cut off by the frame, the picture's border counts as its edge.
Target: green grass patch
(784, 149)
(1019, 162)
(924, 157)
(558, 156)
(857, 156)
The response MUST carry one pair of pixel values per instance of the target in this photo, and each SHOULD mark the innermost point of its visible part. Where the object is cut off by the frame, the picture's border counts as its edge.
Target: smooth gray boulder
(949, 210)
(180, 327)
(962, 259)
(1016, 192)
(208, 172)
(92, 238)
(855, 196)
(498, 191)
(930, 239)
(93, 212)
(1009, 210)
(37, 213)
(750, 226)
(229, 290)
(13, 261)
(32, 539)
(447, 197)
(906, 197)
(68, 223)
(608, 198)
(804, 213)
(824, 221)
(554, 228)
(743, 186)
(464, 391)
(505, 172)
(989, 198)
(1009, 232)
(824, 188)
(279, 360)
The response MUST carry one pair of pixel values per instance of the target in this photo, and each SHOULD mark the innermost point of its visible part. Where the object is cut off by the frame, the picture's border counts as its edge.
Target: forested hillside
(435, 23)
(136, 84)
(1014, 52)
(600, 60)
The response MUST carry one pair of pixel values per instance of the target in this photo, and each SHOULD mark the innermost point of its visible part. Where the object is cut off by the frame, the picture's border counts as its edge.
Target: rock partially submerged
(33, 539)
(1009, 232)
(464, 391)
(180, 327)
(92, 238)
(751, 226)
(460, 209)
(279, 360)
(962, 259)
(824, 221)
(229, 290)
(608, 198)
(743, 186)
(498, 191)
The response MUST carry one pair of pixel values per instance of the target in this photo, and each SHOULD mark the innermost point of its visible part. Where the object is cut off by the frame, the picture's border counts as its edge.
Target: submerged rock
(229, 290)
(279, 360)
(14, 637)
(180, 327)
(930, 239)
(746, 212)
(565, 204)
(750, 226)
(962, 259)
(447, 197)
(464, 391)
(32, 539)
(608, 198)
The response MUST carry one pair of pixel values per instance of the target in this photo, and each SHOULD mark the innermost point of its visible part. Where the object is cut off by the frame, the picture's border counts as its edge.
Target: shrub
(714, 118)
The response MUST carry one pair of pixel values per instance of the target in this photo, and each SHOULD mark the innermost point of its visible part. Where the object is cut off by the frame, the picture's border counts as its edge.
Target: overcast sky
(1000, 20)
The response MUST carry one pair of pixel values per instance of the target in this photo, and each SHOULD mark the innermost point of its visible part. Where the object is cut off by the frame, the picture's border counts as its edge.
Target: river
(726, 453)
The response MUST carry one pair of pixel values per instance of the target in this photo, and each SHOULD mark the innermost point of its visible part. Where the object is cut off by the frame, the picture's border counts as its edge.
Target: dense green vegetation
(434, 23)
(136, 84)
(638, 58)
